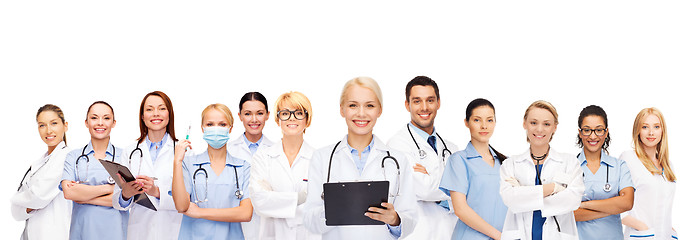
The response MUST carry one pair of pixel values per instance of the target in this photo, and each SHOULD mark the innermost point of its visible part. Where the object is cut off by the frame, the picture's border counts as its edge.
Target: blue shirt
(360, 161)
(220, 194)
(424, 135)
(93, 221)
(619, 177)
(153, 147)
(252, 146)
(467, 173)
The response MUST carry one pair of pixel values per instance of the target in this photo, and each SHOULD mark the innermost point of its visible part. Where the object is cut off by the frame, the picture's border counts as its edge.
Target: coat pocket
(645, 235)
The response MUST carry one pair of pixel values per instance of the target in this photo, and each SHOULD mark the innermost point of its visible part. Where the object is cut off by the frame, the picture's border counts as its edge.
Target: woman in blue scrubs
(85, 181)
(472, 178)
(211, 188)
(609, 187)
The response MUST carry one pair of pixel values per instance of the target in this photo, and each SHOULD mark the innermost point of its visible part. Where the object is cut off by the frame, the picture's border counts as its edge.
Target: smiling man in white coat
(427, 153)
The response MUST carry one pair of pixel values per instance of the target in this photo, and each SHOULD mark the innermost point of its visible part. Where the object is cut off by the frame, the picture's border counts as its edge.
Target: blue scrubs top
(92, 221)
(619, 177)
(466, 172)
(221, 194)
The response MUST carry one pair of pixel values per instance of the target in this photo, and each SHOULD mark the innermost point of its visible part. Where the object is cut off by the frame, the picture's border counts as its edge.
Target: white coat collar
(378, 145)
(276, 150)
(552, 155)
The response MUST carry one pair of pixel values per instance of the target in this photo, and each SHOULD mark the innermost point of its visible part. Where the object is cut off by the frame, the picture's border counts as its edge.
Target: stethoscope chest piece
(111, 180)
(239, 194)
(422, 153)
(607, 187)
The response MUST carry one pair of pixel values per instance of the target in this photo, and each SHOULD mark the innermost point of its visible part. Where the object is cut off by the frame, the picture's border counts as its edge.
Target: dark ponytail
(480, 102)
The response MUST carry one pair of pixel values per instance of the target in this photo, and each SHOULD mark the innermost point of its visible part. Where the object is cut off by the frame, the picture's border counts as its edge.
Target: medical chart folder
(346, 202)
(114, 168)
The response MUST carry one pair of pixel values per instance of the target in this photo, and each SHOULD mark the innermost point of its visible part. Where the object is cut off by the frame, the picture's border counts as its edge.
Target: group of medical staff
(254, 188)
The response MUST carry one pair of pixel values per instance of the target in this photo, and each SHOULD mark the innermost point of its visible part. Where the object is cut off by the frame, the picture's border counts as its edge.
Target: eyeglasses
(597, 131)
(285, 115)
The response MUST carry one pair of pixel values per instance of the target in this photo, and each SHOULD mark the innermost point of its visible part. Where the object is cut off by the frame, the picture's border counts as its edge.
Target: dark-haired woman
(472, 178)
(151, 157)
(85, 181)
(253, 113)
(38, 201)
(609, 187)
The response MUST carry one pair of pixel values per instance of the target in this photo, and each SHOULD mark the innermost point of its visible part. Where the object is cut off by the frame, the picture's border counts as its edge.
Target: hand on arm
(613, 205)
(634, 223)
(81, 192)
(420, 168)
(241, 213)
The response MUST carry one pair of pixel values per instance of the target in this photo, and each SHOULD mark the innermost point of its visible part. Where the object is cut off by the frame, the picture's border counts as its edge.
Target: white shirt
(239, 149)
(652, 200)
(344, 170)
(435, 222)
(39, 191)
(275, 186)
(524, 199)
(145, 223)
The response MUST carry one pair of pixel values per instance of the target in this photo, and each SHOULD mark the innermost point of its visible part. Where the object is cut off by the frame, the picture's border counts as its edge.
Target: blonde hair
(365, 82)
(220, 107)
(662, 152)
(543, 105)
(296, 100)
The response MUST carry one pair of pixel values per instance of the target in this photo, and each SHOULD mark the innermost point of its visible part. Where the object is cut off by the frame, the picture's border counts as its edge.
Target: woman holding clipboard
(361, 157)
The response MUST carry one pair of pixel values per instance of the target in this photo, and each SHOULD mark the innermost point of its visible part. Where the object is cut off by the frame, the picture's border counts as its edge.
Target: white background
(621, 55)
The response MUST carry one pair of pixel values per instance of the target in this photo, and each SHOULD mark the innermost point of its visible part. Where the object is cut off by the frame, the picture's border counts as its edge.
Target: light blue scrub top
(221, 194)
(467, 173)
(609, 227)
(93, 221)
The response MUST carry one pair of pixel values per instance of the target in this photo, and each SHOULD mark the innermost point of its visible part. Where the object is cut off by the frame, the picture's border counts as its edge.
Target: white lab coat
(522, 200)
(238, 148)
(652, 201)
(344, 170)
(281, 217)
(143, 222)
(435, 222)
(39, 191)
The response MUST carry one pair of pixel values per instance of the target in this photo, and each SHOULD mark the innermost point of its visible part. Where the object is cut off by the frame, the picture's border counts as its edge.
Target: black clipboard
(114, 168)
(346, 202)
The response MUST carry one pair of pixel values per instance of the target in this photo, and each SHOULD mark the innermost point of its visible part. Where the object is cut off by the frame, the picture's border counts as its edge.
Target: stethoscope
(34, 173)
(239, 193)
(141, 155)
(422, 153)
(607, 187)
(382, 165)
(83, 154)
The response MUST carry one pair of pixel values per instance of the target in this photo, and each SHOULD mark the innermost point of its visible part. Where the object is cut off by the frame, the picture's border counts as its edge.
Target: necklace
(539, 158)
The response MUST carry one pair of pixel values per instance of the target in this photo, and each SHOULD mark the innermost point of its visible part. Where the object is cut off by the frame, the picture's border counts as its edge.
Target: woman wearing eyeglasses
(609, 187)
(211, 188)
(150, 160)
(86, 182)
(541, 187)
(279, 174)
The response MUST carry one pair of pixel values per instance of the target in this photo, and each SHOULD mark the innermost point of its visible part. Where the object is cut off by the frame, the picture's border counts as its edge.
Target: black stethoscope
(34, 173)
(239, 193)
(141, 155)
(607, 187)
(382, 165)
(83, 154)
(422, 153)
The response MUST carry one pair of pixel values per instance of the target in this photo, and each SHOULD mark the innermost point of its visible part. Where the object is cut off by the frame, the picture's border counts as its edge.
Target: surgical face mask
(216, 137)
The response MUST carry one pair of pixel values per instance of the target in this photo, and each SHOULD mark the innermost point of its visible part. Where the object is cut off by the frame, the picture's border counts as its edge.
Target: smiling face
(651, 131)
(253, 116)
(100, 120)
(156, 114)
(593, 143)
(481, 124)
(292, 126)
(423, 105)
(360, 108)
(51, 128)
(540, 126)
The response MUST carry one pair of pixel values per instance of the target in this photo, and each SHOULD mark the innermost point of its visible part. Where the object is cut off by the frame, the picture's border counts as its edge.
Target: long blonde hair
(662, 152)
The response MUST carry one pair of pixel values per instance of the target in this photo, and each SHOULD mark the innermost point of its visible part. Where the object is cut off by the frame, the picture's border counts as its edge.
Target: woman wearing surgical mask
(653, 177)
(150, 159)
(211, 188)
(253, 113)
(541, 187)
(609, 188)
(37, 201)
(280, 173)
(89, 186)
(361, 156)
